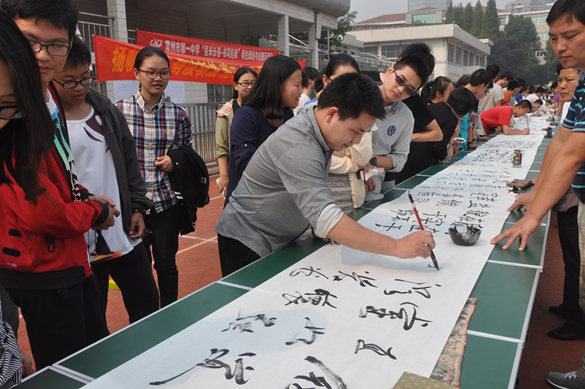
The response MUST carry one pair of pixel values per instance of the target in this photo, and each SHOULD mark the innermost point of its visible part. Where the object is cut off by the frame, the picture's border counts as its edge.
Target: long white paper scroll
(342, 318)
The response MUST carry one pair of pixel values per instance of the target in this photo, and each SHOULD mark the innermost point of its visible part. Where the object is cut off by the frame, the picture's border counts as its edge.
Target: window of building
(371, 49)
(219, 93)
(502, 20)
(543, 36)
(481, 61)
(458, 55)
(451, 53)
(540, 53)
(392, 51)
(465, 58)
(538, 20)
(471, 59)
(424, 18)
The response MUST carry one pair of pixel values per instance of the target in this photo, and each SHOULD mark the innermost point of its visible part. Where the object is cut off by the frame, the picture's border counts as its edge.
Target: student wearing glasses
(391, 141)
(105, 156)
(244, 81)
(44, 262)
(158, 126)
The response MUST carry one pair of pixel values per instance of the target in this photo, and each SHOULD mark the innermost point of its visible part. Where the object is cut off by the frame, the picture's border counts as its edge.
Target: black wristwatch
(136, 210)
(374, 161)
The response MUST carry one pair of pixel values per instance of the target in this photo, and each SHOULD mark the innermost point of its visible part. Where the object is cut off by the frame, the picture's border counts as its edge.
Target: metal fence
(203, 118)
(91, 24)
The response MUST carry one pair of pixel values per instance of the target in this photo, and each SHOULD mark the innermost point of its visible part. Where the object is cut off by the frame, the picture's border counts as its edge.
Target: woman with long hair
(437, 91)
(158, 126)
(268, 106)
(244, 81)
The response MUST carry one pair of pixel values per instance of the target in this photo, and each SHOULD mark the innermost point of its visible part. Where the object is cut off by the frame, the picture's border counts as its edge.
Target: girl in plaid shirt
(158, 126)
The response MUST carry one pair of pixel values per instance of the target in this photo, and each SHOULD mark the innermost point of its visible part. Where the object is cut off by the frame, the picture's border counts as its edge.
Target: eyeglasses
(10, 112)
(73, 84)
(402, 82)
(52, 49)
(246, 84)
(165, 75)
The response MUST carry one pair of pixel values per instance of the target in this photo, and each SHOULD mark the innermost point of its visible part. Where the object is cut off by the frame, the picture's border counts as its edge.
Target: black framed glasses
(10, 112)
(73, 84)
(402, 82)
(246, 84)
(52, 49)
(165, 75)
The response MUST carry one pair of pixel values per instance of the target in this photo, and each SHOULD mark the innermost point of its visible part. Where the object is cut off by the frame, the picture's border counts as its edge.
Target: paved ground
(198, 263)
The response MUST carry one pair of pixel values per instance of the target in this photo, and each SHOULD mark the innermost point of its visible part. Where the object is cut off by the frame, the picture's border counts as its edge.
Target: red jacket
(42, 246)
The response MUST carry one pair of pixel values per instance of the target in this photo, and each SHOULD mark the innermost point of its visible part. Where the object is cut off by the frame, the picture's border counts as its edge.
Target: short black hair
(559, 67)
(266, 93)
(309, 73)
(513, 85)
(525, 104)
(338, 60)
(418, 65)
(353, 94)
(422, 51)
(464, 80)
(522, 83)
(539, 90)
(568, 9)
(554, 85)
(539, 101)
(507, 75)
(147, 52)
(59, 13)
(481, 76)
(493, 69)
(79, 55)
(462, 100)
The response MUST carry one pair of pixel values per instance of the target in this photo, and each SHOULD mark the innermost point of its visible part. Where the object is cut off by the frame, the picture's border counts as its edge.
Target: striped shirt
(575, 121)
(165, 127)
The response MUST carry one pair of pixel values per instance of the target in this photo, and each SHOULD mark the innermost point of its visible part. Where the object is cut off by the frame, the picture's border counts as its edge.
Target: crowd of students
(85, 191)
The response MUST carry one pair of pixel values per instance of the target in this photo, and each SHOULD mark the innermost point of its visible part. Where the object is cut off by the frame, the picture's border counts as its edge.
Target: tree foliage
(524, 32)
(490, 27)
(477, 20)
(551, 61)
(449, 14)
(467, 18)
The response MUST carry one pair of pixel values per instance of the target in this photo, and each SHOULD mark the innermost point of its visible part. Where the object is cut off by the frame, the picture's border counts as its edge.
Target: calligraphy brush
(422, 228)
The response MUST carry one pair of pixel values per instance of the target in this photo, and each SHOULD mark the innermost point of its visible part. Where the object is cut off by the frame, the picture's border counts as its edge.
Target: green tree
(249, 40)
(458, 14)
(467, 18)
(449, 14)
(551, 61)
(490, 27)
(508, 55)
(524, 32)
(477, 20)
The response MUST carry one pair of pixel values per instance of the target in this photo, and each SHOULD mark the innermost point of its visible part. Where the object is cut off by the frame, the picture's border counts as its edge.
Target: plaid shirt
(166, 126)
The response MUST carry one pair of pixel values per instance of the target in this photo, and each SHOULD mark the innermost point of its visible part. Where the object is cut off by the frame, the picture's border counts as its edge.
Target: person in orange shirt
(510, 93)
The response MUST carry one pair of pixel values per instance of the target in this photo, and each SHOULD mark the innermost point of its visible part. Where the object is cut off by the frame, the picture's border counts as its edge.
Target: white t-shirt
(302, 101)
(96, 172)
(532, 98)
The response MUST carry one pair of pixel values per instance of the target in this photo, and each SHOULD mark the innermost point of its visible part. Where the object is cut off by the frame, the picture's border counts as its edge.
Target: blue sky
(368, 9)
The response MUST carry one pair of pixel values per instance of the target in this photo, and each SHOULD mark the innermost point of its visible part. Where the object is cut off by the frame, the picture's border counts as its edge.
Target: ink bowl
(468, 238)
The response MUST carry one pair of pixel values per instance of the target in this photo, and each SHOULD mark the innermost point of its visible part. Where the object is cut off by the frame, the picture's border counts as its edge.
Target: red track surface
(198, 263)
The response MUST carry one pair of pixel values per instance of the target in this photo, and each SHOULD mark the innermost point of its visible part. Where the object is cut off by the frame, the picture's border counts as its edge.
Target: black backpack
(190, 182)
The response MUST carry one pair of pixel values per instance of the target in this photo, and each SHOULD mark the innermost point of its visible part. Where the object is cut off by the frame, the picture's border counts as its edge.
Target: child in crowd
(268, 106)
(284, 188)
(244, 81)
(105, 156)
(498, 118)
(158, 126)
(44, 253)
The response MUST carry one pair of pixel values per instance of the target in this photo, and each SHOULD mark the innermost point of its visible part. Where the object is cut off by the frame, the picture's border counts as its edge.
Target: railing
(203, 118)
(94, 24)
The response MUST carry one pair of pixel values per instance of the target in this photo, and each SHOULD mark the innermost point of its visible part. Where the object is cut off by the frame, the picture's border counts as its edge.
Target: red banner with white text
(114, 60)
(175, 44)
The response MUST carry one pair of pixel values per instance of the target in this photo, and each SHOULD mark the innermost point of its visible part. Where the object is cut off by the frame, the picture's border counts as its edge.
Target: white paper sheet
(344, 317)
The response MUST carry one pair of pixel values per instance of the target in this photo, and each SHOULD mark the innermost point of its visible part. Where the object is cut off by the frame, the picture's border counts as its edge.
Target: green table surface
(49, 379)
(487, 363)
(126, 344)
(504, 294)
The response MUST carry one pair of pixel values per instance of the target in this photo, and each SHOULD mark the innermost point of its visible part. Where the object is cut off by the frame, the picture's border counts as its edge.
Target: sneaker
(564, 380)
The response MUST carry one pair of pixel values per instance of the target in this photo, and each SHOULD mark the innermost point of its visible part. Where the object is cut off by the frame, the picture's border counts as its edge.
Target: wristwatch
(374, 161)
(136, 210)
